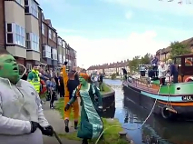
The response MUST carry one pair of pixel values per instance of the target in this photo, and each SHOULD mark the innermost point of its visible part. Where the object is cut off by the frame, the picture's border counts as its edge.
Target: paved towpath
(55, 120)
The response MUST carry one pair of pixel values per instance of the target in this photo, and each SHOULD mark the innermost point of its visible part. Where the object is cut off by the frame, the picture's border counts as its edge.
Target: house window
(19, 2)
(26, 6)
(32, 41)
(29, 66)
(28, 42)
(15, 34)
(9, 35)
(188, 61)
(20, 35)
(34, 9)
(59, 41)
(43, 29)
(54, 54)
(64, 44)
(50, 33)
(47, 53)
(31, 7)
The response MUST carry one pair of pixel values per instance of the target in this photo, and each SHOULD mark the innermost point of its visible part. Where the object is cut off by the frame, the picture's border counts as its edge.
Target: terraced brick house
(164, 53)
(15, 29)
(49, 43)
(30, 37)
(32, 33)
(109, 69)
(61, 51)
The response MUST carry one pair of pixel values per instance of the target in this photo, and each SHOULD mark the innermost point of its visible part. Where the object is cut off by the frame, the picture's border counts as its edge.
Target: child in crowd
(51, 91)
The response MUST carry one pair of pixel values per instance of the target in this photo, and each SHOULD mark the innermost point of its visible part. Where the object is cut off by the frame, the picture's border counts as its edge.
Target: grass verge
(111, 136)
(105, 88)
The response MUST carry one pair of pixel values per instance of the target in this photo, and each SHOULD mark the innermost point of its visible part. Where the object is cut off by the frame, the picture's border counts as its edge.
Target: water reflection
(156, 128)
(167, 132)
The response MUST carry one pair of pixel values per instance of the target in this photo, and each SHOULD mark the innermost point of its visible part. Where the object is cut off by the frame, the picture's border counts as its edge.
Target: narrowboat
(173, 99)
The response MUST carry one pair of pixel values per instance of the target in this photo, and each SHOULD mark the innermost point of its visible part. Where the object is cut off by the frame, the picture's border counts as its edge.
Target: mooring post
(122, 135)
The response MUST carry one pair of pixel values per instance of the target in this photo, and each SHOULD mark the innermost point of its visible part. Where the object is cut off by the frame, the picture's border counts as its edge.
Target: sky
(104, 31)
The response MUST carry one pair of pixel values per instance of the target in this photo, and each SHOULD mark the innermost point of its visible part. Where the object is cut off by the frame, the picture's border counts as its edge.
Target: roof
(110, 65)
(188, 42)
(49, 23)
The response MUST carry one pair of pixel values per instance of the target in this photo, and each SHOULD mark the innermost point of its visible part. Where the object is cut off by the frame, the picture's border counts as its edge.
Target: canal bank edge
(109, 102)
(108, 97)
(111, 135)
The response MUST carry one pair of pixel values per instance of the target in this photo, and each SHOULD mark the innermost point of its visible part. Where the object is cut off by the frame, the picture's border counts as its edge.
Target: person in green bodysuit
(21, 115)
(91, 124)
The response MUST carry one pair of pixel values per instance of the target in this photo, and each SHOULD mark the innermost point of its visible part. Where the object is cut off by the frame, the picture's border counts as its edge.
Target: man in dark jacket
(154, 63)
(173, 71)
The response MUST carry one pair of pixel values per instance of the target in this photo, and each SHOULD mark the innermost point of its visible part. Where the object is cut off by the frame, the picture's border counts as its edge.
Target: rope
(24, 70)
(129, 128)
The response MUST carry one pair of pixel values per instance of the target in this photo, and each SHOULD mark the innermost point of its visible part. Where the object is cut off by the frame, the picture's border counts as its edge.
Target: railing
(140, 81)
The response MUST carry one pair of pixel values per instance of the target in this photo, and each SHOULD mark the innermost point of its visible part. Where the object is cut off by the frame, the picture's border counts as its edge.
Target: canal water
(132, 116)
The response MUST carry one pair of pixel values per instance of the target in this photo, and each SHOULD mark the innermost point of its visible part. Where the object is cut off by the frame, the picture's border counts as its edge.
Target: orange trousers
(74, 107)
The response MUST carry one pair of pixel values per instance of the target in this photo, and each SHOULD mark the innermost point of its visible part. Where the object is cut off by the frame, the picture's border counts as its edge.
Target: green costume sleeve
(74, 97)
(98, 94)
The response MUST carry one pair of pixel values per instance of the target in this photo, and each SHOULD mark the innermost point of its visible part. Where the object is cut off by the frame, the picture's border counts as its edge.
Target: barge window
(189, 61)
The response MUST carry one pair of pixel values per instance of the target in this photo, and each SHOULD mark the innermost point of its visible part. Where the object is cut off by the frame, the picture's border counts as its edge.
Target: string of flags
(180, 1)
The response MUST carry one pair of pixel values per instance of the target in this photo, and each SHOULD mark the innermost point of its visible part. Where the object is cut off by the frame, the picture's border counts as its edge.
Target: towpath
(55, 120)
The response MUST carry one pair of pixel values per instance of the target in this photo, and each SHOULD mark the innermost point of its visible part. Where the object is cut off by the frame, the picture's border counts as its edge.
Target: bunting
(179, 1)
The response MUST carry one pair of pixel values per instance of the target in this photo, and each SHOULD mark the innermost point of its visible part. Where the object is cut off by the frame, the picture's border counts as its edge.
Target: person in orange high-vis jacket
(67, 96)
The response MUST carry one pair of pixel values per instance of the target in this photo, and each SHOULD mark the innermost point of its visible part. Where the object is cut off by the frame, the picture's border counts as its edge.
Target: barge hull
(135, 96)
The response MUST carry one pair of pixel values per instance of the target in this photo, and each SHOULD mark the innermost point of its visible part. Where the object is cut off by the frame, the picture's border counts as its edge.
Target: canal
(132, 116)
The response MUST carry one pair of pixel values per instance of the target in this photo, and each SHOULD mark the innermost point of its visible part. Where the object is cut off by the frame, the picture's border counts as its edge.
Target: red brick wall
(20, 60)
(2, 23)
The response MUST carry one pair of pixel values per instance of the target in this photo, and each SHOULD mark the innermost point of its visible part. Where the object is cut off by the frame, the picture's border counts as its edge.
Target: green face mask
(82, 80)
(9, 68)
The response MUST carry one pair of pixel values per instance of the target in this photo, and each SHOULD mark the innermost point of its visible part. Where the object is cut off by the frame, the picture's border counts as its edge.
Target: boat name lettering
(187, 98)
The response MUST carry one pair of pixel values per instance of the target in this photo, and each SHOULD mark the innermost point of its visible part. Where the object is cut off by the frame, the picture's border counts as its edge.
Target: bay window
(32, 41)
(47, 51)
(19, 2)
(15, 34)
(54, 54)
(60, 41)
(31, 7)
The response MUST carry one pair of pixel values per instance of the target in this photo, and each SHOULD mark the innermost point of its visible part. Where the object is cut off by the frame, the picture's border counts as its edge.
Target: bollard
(123, 135)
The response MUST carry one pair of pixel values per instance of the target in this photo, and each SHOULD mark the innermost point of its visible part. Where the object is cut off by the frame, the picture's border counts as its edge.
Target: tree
(178, 49)
(113, 76)
(146, 59)
(134, 64)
